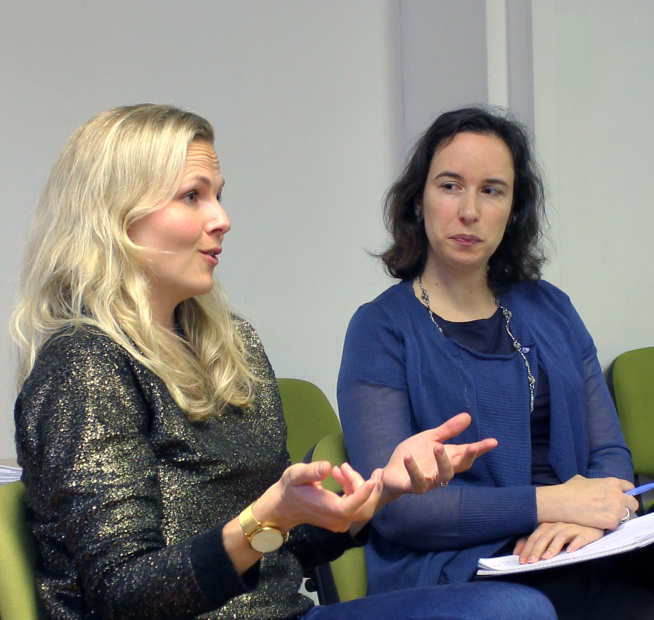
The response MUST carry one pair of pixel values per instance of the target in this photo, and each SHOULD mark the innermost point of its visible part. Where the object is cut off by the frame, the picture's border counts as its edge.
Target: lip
(211, 254)
(466, 239)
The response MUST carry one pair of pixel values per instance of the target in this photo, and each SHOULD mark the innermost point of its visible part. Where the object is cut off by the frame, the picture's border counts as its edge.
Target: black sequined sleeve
(82, 429)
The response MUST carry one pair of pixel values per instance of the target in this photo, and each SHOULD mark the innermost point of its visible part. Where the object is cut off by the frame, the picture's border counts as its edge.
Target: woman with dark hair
(471, 326)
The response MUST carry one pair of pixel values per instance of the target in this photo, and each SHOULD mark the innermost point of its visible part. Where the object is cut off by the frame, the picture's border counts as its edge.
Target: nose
(219, 221)
(469, 208)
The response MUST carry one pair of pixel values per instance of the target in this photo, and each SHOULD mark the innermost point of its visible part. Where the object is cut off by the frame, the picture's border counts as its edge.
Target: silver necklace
(507, 325)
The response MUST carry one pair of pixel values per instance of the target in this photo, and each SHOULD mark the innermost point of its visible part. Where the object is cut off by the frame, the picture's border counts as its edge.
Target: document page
(633, 534)
(9, 474)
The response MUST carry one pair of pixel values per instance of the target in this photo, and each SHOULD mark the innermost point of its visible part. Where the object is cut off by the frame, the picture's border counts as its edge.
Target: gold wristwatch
(263, 537)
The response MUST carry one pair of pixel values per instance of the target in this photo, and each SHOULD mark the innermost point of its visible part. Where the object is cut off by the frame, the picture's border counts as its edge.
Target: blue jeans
(461, 601)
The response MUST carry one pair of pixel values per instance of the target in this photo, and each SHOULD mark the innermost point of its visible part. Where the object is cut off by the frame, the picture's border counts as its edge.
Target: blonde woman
(148, 423)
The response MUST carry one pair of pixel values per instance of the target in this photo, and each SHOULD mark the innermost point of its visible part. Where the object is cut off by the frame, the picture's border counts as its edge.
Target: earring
(419, 214)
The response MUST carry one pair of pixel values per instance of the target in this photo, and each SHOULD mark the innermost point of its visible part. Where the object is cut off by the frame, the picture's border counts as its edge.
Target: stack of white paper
(633, 534)
(9, 473)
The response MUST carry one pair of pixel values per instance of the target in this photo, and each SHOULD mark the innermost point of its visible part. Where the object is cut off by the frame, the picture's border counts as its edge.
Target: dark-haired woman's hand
(422, 462)
(595, 502)
(549, 539)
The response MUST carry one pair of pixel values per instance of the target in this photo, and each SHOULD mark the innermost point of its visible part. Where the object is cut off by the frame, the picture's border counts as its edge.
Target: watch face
(267, 539)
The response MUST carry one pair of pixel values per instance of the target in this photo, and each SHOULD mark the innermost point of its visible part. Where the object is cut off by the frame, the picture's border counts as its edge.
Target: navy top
(482, 335)
(490, 336)
(399, 375)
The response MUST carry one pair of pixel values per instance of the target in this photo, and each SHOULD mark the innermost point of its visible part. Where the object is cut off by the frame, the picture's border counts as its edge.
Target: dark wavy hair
(519, 255)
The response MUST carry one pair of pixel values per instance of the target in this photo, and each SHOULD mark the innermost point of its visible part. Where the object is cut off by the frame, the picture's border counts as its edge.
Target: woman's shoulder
(82, 351)
(256, 356)
(74, 356)
(79, 341)
(388, 301)
(247, 333)
(539, 294)
(386, 314)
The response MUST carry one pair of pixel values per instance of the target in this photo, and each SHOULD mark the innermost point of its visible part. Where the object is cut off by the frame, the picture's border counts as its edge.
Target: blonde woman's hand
(350, 480)
(298, 497)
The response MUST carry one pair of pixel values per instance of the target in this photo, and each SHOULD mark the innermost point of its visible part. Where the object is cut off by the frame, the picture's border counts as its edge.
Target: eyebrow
(458, 177)
(200, 178)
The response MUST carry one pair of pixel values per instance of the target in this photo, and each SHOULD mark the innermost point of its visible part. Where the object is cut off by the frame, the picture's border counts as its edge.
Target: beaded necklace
(507, 325)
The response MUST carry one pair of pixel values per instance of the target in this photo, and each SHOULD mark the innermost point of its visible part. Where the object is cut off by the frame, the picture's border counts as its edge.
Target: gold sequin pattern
(119, 483)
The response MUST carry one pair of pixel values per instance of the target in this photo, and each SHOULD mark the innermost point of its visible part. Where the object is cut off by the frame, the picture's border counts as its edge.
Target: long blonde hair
(81, 266)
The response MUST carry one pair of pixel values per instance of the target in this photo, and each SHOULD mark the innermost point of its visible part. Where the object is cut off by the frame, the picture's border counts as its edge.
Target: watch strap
(263, 537)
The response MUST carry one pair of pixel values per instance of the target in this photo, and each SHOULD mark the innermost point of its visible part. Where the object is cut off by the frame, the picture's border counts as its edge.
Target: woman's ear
(419, 213)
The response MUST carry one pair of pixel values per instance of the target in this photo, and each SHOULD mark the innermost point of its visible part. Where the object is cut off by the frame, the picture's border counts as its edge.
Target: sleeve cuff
(513, 506)
(214, 571)
(362, 536)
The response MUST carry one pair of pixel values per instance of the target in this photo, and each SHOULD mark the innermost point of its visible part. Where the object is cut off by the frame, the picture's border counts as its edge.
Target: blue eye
(190, 197)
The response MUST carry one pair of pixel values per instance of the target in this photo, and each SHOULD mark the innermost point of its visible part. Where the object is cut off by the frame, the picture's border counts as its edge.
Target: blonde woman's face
(182, 240)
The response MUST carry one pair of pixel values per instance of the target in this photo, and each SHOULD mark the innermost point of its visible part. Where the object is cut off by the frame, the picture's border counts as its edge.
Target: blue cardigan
(400, 375)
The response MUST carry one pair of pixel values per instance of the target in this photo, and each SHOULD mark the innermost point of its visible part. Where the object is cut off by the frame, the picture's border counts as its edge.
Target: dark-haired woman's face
(467, 201)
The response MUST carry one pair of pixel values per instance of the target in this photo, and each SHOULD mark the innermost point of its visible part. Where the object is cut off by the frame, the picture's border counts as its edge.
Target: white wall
(594, 92)
(314, 105)
(443, 60)
(310, 107)
(301, 96)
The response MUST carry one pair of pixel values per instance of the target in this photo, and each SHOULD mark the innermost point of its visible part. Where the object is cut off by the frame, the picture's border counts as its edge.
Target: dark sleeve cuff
(314, 545)
(214, 571)
(362, 536)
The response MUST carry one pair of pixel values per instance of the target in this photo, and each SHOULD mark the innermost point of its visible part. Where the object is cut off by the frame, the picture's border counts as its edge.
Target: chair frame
(345, 578)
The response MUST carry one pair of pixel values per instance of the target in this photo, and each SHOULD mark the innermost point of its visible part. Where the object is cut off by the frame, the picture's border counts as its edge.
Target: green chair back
(309, 416)
(632, 378)
(348, 571)
(18, 600)
(312, 423)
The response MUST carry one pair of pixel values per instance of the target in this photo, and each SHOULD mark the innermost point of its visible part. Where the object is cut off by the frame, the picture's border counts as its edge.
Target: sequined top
(127, 498)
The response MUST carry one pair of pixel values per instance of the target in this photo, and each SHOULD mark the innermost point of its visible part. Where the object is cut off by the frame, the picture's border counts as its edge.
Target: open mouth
(212, 254)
